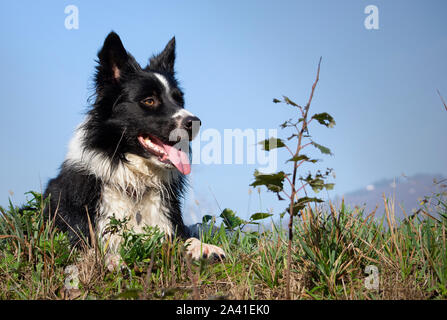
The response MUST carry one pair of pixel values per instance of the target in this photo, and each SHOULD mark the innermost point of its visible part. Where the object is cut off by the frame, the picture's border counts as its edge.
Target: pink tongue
(178, 158)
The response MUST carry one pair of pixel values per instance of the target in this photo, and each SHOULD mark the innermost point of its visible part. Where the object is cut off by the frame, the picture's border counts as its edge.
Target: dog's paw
(197, 249)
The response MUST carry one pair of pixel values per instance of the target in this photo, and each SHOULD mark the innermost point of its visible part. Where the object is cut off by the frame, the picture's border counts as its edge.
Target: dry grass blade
(8, 236)
(391, 223)
(90, 229)
(148, 276)
(430, 216)
(192, 277)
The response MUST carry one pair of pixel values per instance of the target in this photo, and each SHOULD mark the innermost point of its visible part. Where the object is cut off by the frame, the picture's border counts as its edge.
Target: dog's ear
(113, 59)
(165, 60)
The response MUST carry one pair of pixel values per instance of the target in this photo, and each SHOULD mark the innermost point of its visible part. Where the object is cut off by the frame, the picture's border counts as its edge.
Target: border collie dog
(130, 156)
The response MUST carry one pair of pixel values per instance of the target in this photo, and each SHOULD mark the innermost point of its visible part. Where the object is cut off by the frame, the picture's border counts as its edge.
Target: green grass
(330, 252)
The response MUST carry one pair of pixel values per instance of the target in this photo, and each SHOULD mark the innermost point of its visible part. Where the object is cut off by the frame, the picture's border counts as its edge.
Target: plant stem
(294, 191)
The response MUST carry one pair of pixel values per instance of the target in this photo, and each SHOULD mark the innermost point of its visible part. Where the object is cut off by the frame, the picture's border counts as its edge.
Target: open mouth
(166, 154)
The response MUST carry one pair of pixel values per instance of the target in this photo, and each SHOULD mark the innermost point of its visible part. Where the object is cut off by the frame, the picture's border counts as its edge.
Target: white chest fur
(147, 211)
(145, 179)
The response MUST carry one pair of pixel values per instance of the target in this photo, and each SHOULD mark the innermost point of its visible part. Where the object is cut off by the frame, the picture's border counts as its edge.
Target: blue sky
(233, 57)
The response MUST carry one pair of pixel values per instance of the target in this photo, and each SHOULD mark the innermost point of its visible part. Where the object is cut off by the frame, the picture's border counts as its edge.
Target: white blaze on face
(164, 82)
(182, 113)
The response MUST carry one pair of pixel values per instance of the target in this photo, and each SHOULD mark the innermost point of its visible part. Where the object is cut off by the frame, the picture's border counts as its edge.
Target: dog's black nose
(189, 121)
(192, 125)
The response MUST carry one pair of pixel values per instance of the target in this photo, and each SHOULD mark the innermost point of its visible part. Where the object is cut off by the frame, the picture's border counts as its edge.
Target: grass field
(338, 253)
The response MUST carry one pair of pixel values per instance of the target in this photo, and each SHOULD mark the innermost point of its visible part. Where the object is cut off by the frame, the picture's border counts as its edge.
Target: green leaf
(230, 219)
(271, 144)
(322, 149)
(317, 182)
(317, 185)
(301, 157)
(288, 101)
(260, 216)
(329, 186)
(324, 119)
(274, 182)
(300, 204)
(206, 218)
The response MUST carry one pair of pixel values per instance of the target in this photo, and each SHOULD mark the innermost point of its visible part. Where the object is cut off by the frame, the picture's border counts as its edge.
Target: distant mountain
(407, 192)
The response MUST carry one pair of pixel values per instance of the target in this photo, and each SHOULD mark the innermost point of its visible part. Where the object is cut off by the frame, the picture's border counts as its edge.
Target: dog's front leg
(196, 249)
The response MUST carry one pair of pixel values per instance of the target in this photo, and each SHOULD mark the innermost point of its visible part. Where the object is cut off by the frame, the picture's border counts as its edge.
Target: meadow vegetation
(331, 250)
(327, 251)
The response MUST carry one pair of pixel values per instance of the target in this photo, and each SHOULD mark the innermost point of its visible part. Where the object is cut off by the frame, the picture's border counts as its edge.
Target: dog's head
(139, 110)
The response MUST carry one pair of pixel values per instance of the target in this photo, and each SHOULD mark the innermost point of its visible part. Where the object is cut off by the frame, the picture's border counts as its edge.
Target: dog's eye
(149, 102)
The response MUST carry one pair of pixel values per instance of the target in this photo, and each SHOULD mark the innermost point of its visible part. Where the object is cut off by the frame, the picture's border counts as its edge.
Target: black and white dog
(130, 156)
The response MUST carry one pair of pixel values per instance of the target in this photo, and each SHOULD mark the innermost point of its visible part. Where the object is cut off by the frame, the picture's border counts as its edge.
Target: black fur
(74, 193)
(115, 120)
